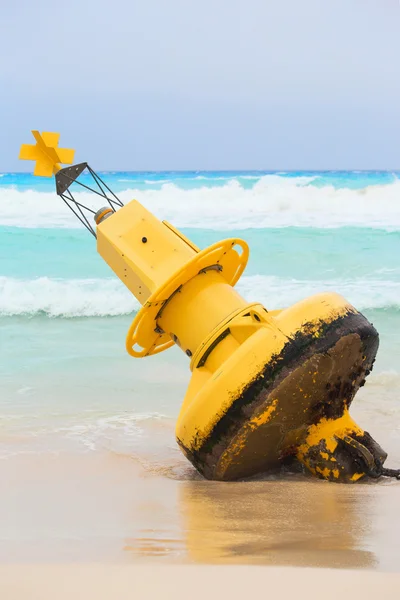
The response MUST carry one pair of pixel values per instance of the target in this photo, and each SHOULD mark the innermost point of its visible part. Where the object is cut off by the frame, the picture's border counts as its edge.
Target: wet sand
(102, 508)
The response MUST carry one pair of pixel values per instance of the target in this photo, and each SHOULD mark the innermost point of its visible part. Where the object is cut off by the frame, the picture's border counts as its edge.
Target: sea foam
(273, 201)
(108, 297)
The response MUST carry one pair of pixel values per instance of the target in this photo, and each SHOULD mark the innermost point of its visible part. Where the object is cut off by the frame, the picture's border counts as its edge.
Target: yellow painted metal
(183, 237)
(211, 296)
(331, 432)
(155, 260)
(142, 251)
(46, 153)
(151, 338)
(240, 358)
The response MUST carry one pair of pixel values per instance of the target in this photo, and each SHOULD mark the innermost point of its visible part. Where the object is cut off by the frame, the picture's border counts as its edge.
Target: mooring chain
(381, 471)
(391, 473)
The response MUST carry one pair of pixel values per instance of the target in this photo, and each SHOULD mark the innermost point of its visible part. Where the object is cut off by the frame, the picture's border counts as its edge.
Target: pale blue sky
(222, 84)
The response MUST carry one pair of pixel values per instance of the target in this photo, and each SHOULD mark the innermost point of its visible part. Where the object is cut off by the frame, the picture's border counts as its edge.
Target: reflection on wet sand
(300, 523)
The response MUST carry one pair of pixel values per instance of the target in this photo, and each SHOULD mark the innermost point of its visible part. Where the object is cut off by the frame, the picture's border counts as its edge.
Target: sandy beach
(96, 582)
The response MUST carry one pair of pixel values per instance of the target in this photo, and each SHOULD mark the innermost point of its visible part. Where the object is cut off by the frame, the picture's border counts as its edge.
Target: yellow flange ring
(144, 325)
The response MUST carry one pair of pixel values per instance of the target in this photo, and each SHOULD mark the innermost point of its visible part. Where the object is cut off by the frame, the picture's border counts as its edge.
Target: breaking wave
(272, 201)
(108, 297)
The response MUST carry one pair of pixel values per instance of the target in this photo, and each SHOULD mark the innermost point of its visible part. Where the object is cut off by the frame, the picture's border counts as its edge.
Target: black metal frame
(69, 175)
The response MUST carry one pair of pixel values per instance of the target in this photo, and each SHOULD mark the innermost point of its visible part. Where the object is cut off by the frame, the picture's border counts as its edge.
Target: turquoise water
(65, 375)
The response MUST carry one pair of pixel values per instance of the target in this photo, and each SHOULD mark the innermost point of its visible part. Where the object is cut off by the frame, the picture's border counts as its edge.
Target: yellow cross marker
(46, 153)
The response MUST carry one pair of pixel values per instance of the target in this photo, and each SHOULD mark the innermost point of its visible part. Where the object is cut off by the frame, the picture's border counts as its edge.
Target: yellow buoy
(267, 387)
